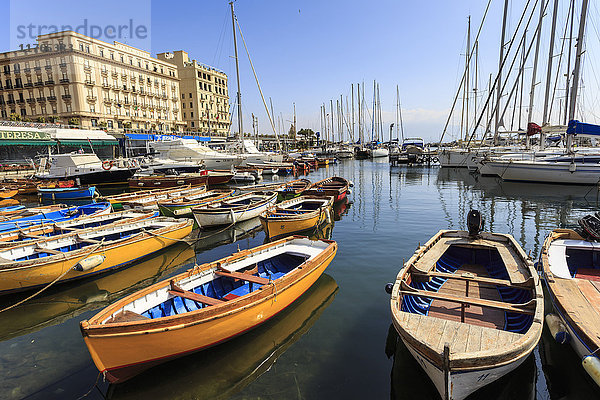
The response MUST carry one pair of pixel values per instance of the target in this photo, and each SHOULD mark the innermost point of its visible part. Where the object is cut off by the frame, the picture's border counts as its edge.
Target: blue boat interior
(489, 258)
(241, 202)
(583, 261)
(227, 288)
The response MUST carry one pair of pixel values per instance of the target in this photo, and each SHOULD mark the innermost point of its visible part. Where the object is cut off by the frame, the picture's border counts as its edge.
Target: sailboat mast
(549, 74)
(534, 73)
(575, 87)
(476, 82)
(352, 102)
(467, 58)
(295, 127)
(499, 78)
(237, 71)
(568, 74)
(397, 112)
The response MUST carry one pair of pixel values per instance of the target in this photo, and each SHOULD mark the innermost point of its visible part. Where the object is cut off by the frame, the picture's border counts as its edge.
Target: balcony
(90, 82)
(27, 70)
(50, 82)
(106, 100)
(2, 103)
(124, 77)
(10, 101)
(64, 80)
(175, 98)
(66, 97)
(31, 100)
(6, 72)
(39, 83)
(17, 72)
(41, 99)
(87, 68)
(20, 101)
(28, 84)
(18, 86)
(116, 87)
(106, 85)
(37, 69)
(62, 65)
(48, 67)
(92, 99)
(51, 98)
(104, 72)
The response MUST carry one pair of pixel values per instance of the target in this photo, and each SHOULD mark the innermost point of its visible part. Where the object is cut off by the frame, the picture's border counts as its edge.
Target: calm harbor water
(335, 341)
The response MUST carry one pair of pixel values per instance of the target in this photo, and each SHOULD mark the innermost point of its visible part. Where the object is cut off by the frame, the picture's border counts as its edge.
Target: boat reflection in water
(409, 382)
(221, 371)
(341, 208)
(212, 238)
(74, 299)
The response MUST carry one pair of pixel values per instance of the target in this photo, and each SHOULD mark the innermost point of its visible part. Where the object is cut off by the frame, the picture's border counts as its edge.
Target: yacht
(86, 168)
(189, 150)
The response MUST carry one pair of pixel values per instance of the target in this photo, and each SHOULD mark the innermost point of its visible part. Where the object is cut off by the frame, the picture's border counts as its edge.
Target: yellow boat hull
(123, 354)
(18, 278)
(278, 227)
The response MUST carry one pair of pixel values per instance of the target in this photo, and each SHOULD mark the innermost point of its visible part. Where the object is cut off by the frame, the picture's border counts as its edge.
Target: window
(94, 122)
(190, 95)
(109, 123)
(191, 106)
(122, 59)
(182, 105)
(92, 109)
(182, 95)
(112, 56)
(101, 55)
(183, 115)
(87, 48)
(81, 46)
(69, 108)
(51, 91)
(192, 116)
(54, 110)
(67, 90)
(192, 122)
(23, 112)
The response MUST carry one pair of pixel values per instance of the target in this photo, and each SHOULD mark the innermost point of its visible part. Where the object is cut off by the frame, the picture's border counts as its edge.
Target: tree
(14, 117)
(292, 132)
(102, 124)
(41, 119)
(73, 121)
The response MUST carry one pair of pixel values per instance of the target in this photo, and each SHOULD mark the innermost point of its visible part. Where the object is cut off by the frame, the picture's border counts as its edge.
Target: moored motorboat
(469, 308)
(293, 189)
(234, 209)
(182, 206)
(85, 252)
(300, 214)
(572, 275)
(334, 186)
(204, 306)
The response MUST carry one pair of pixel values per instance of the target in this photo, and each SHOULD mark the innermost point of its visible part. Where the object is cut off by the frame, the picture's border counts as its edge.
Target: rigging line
(465, 71)
(258, 84)
(512, 41)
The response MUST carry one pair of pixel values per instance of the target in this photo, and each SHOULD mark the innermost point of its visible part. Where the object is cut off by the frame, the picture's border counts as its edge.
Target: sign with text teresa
(24, 135)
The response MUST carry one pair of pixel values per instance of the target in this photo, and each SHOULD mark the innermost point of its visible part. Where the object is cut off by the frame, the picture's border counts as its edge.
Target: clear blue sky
(309, 52)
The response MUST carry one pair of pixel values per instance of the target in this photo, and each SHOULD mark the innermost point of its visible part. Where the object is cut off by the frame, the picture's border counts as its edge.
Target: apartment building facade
(71, 78)
(204, 94)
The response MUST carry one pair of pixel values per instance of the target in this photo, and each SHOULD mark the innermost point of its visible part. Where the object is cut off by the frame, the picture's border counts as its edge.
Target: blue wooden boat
(38, 216)
(72, 193)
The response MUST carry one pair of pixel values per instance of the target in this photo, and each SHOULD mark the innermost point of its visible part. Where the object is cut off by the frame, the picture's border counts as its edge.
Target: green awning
(27, 143)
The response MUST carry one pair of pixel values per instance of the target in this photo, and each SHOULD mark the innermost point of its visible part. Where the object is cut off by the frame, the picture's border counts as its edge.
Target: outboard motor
(474, 222)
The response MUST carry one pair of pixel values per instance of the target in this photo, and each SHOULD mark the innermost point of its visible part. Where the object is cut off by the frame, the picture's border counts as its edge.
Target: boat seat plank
(459, 345)
(186, 294)
(527, 308)
(591, 274)
(473, 278)
(516, 271)
(474, 340)
(243, 276)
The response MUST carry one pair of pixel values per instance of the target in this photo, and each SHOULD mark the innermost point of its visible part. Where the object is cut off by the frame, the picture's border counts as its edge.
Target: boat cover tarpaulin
(533, 129)
(579, 128)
